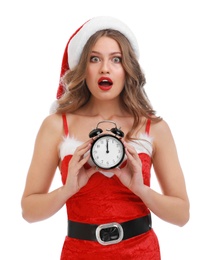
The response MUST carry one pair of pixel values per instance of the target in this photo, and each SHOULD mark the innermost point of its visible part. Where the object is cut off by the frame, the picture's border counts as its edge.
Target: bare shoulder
(52, 122)
(52, 126)
(160, 127)
(161, 133)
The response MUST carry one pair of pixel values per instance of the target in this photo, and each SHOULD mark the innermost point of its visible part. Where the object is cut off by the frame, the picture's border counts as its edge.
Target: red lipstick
(105, 83)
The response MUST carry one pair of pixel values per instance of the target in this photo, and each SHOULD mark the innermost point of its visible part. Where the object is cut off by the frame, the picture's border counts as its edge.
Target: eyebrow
(112, 53)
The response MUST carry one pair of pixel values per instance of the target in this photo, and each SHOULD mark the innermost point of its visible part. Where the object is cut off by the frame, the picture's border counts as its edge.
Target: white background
(33, 38)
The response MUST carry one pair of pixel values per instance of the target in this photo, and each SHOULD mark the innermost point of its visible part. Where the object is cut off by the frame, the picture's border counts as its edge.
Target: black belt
(110, 233)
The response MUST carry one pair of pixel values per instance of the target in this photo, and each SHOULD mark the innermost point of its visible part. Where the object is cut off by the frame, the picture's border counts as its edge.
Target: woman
(109, 210)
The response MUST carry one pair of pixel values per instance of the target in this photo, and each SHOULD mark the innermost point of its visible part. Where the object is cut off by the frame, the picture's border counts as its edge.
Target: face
(105, 75)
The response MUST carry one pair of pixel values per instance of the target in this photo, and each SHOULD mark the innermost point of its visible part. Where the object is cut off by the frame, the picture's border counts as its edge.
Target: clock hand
(107, 151)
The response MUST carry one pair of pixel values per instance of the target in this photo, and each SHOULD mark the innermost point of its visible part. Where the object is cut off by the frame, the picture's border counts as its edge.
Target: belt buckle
(111, 233)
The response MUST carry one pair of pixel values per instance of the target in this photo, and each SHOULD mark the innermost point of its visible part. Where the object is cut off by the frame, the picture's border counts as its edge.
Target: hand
(131, 175)
(78, 176)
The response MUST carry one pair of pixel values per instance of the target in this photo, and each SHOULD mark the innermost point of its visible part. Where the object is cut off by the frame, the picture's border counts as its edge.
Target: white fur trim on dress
(79, 40)
(69, 145)
(143, 144)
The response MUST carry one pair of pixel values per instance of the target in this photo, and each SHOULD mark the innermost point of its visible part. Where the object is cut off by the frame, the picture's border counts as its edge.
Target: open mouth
(105, 83)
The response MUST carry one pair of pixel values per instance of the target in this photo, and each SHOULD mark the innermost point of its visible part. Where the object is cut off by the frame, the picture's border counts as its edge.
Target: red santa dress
(104, 200)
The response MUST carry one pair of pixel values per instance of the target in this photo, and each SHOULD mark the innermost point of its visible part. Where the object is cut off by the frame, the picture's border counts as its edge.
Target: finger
(84, 145)
(133, 159)
(84, 159)
(131, 151)
(82, 149)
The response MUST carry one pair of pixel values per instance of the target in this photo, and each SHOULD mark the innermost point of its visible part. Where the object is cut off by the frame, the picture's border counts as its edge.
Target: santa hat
(78, 40)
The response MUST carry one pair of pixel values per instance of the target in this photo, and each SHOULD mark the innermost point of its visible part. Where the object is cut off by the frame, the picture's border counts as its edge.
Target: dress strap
(147, 129)
(65, 124)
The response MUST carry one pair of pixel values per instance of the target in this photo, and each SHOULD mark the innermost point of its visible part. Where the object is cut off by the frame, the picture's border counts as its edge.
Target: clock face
(107, 151)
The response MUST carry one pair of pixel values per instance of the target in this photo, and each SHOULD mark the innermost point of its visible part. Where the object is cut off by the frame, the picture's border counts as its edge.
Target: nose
(104, 67)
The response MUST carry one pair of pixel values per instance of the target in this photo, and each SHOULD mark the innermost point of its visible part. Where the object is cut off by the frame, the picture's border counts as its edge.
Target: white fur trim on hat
(79, 40)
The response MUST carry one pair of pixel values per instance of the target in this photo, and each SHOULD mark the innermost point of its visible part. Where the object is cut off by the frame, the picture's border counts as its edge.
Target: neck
(105, 109)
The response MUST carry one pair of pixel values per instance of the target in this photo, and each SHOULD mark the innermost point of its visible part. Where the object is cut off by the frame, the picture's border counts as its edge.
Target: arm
(172, 205)
(37, 202)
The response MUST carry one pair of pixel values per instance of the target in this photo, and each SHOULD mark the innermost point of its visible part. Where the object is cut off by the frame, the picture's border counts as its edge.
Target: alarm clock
(107, 150)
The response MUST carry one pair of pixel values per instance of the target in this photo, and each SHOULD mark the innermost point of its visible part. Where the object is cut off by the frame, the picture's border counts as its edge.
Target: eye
(117, 59)
(94, 59)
